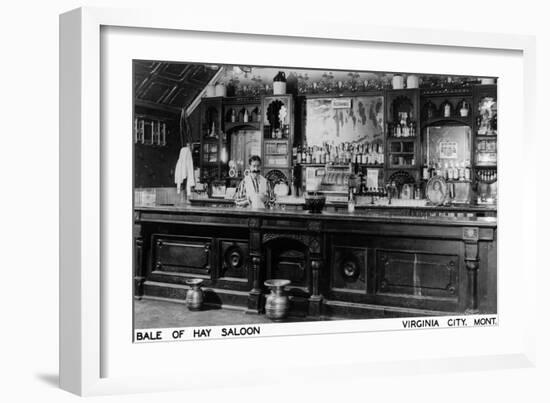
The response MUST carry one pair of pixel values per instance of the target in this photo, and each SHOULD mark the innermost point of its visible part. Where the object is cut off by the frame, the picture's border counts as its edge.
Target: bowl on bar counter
(314, 203)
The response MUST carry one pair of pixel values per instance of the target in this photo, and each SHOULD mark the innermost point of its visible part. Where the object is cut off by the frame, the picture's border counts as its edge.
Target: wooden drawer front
(349, 269)
(183, 255)
(416, 273)
(234, 259)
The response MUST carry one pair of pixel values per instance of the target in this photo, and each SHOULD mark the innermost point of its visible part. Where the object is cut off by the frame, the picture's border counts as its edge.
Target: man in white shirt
(254, 190)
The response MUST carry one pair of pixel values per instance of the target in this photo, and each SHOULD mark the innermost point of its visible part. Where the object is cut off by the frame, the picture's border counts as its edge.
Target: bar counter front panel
(341, 265)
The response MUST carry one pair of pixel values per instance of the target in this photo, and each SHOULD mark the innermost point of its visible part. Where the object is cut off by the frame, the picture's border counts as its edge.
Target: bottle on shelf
(461, 172)
(425, 172)
(446, 109)
(467, 171)
(464, 110)
(299, 155)
(453, 171)
(351, 199)
(348, 153)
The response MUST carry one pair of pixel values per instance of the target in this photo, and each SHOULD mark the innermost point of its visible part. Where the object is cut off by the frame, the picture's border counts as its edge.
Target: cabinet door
(417, 274)
(188, 256)
(211, 132)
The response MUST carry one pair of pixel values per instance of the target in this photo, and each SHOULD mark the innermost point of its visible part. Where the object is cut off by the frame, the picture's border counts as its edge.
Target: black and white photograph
(272, 194)
(233, 201)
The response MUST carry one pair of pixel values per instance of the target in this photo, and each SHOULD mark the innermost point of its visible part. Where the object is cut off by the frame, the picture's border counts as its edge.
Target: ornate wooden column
(470, 237)
(316, 262)
(255, 253)
(139, 269)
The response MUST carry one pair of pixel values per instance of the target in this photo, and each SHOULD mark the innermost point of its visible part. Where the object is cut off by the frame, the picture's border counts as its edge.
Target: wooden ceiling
(169, 85)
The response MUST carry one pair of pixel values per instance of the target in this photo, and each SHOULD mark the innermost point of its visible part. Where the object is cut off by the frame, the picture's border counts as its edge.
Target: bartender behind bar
(254, 190)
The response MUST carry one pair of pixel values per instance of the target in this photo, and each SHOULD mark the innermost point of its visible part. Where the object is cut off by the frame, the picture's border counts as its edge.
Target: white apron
(254, 189)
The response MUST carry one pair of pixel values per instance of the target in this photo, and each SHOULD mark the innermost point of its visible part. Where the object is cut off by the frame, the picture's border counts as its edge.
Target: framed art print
(297, 197)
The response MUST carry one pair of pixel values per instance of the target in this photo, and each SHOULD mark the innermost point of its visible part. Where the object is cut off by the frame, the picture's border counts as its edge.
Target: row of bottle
(449, 170)
(409, 191)
(371, 153)
(245, 116)
(487, 175)
(404, 130)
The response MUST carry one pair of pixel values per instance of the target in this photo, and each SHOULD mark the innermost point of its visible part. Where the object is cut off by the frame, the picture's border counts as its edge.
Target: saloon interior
(384, 194)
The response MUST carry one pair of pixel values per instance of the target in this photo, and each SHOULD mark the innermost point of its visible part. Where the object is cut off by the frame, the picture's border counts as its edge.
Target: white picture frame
(84, 184)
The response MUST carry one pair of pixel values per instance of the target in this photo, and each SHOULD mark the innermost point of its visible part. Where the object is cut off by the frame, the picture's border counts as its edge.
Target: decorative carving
(254, 241)
(470, 234)
(383, 284)
(350, 270)
(314, 226)
(269, 236)
(255, 295)
(314, 246)
(315, 269)
(472, 265)
(233, 257)
(450, 288)
(254, 222)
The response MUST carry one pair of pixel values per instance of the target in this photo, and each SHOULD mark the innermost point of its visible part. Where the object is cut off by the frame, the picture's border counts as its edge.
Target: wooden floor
(153, 313)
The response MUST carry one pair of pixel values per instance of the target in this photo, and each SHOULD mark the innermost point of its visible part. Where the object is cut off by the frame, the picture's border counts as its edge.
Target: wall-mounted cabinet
(211, 130)
(485, 125)
(485, 135)
(242, 122)
(402, 132)
(395, 123)
(277, 138)
(230, 134)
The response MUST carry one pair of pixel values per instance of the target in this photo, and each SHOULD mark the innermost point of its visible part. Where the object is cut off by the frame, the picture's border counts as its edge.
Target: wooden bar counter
(341, 265)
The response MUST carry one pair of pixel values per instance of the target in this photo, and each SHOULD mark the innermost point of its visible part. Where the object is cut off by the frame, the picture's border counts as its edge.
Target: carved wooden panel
(234, 259)
(349, 269)
(416, 273)
(187, 255)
